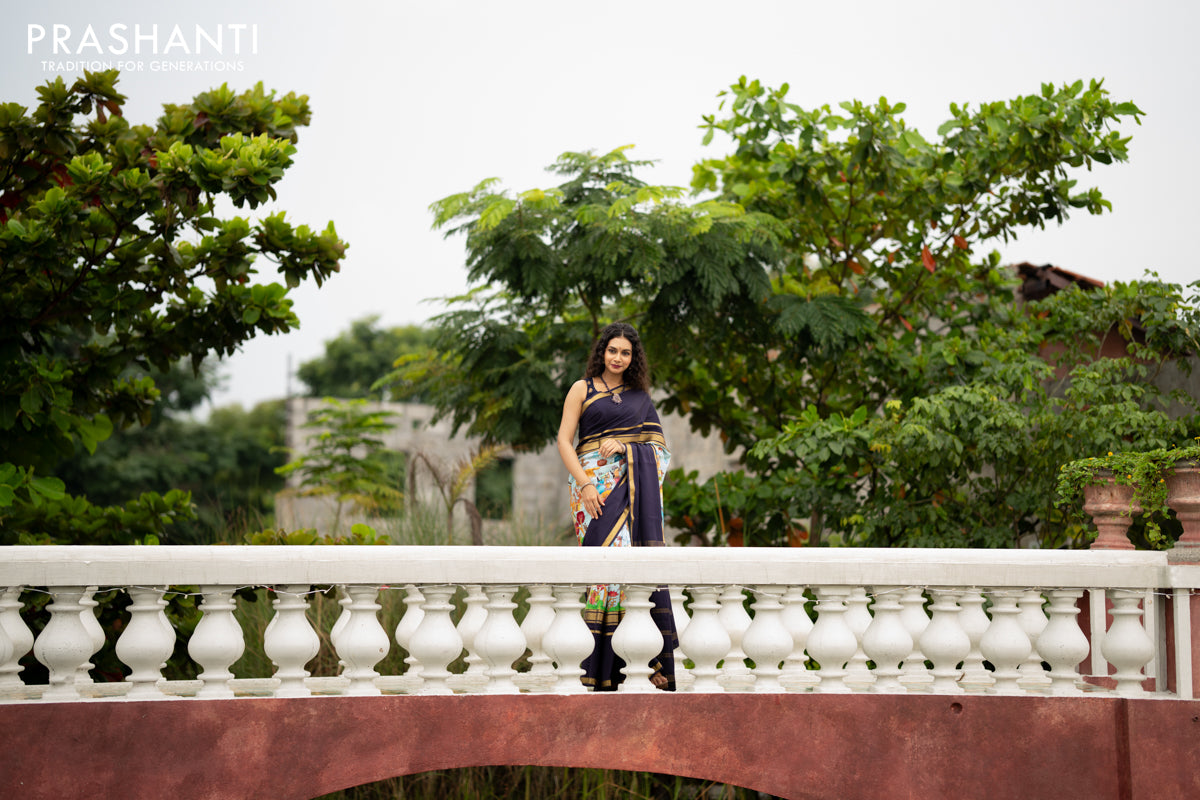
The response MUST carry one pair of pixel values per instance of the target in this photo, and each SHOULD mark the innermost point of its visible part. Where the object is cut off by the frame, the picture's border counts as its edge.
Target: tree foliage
(114, 261)
(346, 459)
(826, 302)
(225, 463)
(357, 359)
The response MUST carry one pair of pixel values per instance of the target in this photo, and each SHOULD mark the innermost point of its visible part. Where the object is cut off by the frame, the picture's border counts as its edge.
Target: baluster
(1126, 645)
(735, 675)
(886, 641)
(974, 622)
(362, 643)
(7, 649)
(435, 642)
(144, 646)
(1005, 643)
(637, 640)
(1062, 644)
(475, 679)
(538, 619)
(858, 619)
(796, 676)
(500, 641)
(64, 643)
(914, 674)
(1033, 621)
(335, 633)
(683, 676)
(218, 641)
(568, 641)
(290, 641)
(18, 633)
(88, 617)
(944, 642)
(767, 642)
(413, 615)
(831, 642)
(706, 640)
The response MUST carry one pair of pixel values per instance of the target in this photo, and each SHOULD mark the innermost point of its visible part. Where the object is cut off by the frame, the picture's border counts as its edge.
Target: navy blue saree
(630, 484)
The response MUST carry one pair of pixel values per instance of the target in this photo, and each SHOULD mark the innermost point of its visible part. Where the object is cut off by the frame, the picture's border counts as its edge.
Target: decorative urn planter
(1111, 506)
(1183, 496)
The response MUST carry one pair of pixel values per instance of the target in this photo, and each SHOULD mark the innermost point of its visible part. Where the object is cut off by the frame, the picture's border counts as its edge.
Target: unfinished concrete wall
(539, 479)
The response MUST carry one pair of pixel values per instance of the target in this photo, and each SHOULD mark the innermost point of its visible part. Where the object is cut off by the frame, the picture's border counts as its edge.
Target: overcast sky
(415, 101)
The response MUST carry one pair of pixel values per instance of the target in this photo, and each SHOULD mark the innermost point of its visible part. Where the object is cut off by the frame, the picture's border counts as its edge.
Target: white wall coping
(682, 566)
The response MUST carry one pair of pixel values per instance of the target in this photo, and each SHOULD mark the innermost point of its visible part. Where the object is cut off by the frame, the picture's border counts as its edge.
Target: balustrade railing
(508, 620)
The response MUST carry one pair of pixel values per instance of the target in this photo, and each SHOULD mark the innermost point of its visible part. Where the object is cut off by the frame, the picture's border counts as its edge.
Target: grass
(543, 783)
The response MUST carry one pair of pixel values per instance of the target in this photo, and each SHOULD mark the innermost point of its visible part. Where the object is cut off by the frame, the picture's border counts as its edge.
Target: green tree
(226, 463)
(114, 262)
(355, 360)
(829, 308)
(346, 459)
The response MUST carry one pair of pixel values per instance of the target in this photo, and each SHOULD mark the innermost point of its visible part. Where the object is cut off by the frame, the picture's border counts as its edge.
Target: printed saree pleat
(630, 486)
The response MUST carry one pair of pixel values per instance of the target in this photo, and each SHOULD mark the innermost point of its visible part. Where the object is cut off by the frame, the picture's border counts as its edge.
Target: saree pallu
(630, 485)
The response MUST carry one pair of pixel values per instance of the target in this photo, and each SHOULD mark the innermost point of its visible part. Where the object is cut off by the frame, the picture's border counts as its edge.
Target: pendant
(616, 398)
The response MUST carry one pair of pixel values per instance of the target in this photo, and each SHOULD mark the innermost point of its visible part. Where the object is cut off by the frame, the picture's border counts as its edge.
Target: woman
(616, 487)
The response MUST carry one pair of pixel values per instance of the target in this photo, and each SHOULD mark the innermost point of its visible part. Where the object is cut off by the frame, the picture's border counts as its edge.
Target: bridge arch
(808, 747)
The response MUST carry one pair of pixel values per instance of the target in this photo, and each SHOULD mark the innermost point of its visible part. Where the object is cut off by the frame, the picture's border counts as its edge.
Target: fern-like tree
(346, 459)
(825, 276)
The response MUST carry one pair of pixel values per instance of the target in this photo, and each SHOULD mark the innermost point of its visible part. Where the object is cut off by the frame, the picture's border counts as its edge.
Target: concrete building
(538, 497)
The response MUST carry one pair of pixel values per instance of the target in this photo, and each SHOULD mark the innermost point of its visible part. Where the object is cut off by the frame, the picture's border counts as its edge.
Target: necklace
(616, 398)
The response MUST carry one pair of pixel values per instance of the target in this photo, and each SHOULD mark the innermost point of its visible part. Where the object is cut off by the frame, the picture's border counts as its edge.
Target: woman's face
(617, 355)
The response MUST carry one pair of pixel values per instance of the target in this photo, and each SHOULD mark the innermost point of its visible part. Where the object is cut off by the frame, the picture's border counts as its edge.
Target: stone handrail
(824, 620)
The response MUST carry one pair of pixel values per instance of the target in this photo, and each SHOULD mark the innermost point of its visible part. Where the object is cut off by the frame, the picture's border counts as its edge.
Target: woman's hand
(610, 447)
(591, 500)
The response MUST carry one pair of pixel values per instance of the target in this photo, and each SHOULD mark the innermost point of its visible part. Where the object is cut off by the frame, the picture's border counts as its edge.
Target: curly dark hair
(637, 374)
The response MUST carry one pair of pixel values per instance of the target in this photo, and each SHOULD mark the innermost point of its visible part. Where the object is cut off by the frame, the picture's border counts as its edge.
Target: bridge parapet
(758, 620)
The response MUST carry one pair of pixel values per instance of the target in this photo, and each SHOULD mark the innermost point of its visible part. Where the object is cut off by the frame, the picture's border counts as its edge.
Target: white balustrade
(735, 675)
(1033, 621)
(500, 641)
(637, 639)
(1126, 645)
(335, 633)
(13, 630)
(944, 642)
(64, 643)
(858, 619)
(146, 643)
(1005, 643)
(683, 676)
(537, 622)
(435, 642)
(974, 621)
(767, 641)
(290, 641)
(568, 641)
(869, 629)
(92, 625)
(409, 622)
(362, 642)
(706, 640)
(217, 642)
(886, 640)
(7, 653)
(1061, 643)
(831, 642)
(796, 676)
(475, 678)
(914, 674)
